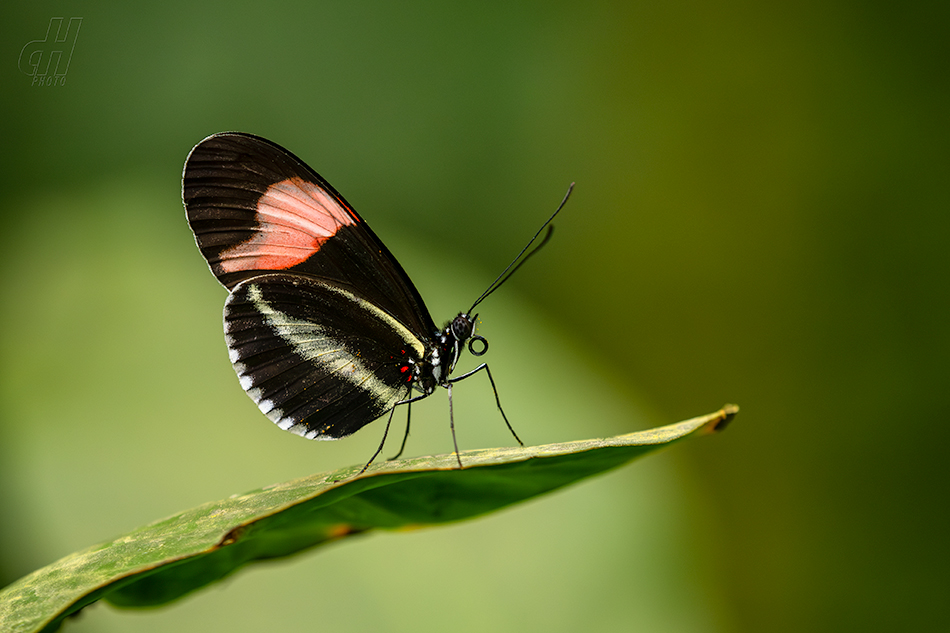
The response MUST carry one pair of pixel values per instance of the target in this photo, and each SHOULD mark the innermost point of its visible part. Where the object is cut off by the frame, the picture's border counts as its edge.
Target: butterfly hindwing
(318, 359)
(255, 209)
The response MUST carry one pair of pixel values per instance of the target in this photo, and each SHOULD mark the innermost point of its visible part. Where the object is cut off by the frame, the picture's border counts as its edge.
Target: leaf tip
(722, 418)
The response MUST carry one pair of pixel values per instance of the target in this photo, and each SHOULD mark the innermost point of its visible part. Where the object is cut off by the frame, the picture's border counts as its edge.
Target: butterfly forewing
(317, 359)
(255, 208)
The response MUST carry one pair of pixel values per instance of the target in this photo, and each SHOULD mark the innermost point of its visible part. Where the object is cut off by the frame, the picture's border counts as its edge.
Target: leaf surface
(167, 559)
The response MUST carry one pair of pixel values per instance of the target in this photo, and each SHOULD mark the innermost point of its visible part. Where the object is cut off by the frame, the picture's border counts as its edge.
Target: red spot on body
(295, 218)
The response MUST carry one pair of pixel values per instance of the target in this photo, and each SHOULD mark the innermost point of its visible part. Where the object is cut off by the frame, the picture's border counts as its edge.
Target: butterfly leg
(406, 436)
(381, 444)
(493, 388)
(448, 385)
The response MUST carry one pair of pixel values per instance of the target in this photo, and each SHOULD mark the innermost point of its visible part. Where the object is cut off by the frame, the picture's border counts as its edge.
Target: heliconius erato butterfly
(324, 328)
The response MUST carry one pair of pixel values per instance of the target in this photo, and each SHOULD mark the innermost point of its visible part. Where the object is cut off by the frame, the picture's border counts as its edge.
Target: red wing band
(295, 218)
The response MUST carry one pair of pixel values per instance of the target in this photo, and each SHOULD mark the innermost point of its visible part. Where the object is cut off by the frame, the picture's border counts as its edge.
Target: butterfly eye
(462, 327)
(478, 339)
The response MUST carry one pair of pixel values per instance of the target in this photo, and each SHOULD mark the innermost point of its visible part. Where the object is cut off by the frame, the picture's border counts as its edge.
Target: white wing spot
(300, 429)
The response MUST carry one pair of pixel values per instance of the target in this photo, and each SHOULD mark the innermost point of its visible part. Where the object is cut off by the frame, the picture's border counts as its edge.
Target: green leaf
(169, 558)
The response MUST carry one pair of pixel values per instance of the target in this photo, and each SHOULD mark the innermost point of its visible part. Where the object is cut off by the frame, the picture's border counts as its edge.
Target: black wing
(319, 360)
(255, 208)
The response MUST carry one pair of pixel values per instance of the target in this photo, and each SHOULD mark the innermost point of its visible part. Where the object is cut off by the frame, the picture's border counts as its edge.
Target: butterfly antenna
(515, 263)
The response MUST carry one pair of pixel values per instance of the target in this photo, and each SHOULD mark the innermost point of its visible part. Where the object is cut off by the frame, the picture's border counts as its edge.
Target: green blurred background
(760, 217)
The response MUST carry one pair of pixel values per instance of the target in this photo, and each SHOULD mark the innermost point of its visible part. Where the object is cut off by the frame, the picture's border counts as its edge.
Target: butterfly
(324, 328)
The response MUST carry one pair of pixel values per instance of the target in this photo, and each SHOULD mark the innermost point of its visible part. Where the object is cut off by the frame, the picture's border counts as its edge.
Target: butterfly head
(461, 330)
(447, 348)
